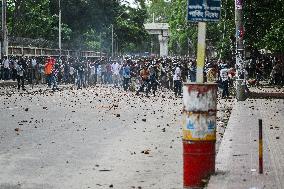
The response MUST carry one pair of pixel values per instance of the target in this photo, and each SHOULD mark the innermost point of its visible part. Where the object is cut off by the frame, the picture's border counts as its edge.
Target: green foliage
(27, 18)
(129, 28)
(183, 34)
(159, 9)
(264, 24)
(92, 40)
(85, 24)
(274, 38)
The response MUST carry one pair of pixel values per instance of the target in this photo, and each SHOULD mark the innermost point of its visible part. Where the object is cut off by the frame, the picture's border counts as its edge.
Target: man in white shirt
(71, 74)
(34, 63)
(6, 64)
(35, 70)
(177, 81)
(225, 81)
(115, 67)
(20, 76)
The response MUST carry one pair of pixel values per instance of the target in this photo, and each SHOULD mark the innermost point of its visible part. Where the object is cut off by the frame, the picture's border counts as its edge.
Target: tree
(29, 19)
(158, 9)
(86, 24)
(129, 31)
(274, 38)
(183, 38)
(263, 24)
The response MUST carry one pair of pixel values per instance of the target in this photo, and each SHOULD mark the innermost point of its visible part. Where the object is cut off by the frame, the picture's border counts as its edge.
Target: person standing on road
(126, 76)
(154, 79)
(48, 68)
(20, 76)
(192, 70)
(103, 72)
(225, 81)
(42, 76)
(108, 73)
(66, 71)
(6, 64)
(115, 67)
(54, 77)
(80, 75)
(145, 77)
(72, 74)
(96, 67)
(177, 81)
(14, 63)
(35, 69)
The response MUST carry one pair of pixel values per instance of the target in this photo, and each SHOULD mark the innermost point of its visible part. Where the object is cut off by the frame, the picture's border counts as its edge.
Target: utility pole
(240, 83)
(59, 29)
(224, 29)
(112, 40)
(4, 28)
(101, 45)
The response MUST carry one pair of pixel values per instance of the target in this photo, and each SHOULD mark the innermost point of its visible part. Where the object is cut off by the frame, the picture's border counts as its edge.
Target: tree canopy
(87, 24)
(263, 21)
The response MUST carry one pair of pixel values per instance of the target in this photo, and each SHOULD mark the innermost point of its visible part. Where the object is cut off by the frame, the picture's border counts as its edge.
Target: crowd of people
(133, 73)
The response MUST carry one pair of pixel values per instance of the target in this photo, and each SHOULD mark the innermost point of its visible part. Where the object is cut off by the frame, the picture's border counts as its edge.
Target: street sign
(204, 10)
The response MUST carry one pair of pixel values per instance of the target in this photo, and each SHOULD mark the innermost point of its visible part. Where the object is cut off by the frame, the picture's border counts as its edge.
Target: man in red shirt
(48, 69)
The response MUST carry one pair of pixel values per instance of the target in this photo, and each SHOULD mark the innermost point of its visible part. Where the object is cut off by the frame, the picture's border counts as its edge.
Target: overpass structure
(162, 30)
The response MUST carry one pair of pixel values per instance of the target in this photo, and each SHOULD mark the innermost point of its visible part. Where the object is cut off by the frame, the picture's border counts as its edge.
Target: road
(98, 137)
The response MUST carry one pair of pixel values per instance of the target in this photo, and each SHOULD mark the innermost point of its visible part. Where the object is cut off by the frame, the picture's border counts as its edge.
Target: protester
(140, 74)
(6, 65)
(144, 76)
(177, 81)
(115, 69)
(225, 81)
(20, 76)
(153, 79)
(126, 76)
(48, 68)
(54, 77)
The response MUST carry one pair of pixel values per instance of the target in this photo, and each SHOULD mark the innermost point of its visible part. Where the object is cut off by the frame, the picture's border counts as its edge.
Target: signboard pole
(200, 103)
(201, 51)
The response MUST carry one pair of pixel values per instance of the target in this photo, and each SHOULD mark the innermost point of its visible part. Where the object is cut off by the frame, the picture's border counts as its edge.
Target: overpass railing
(34, 51)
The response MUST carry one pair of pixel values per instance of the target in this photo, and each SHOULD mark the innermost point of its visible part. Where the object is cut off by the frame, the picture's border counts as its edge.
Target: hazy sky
(130, 1)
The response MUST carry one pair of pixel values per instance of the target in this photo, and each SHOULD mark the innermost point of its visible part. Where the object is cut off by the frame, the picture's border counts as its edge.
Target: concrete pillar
(163, 45)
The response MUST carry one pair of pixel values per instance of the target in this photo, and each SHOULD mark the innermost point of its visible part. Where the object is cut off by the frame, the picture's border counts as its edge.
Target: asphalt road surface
(92, 138)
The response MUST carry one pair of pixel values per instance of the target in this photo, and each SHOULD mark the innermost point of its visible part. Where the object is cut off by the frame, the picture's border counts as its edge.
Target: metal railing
(35, 51)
